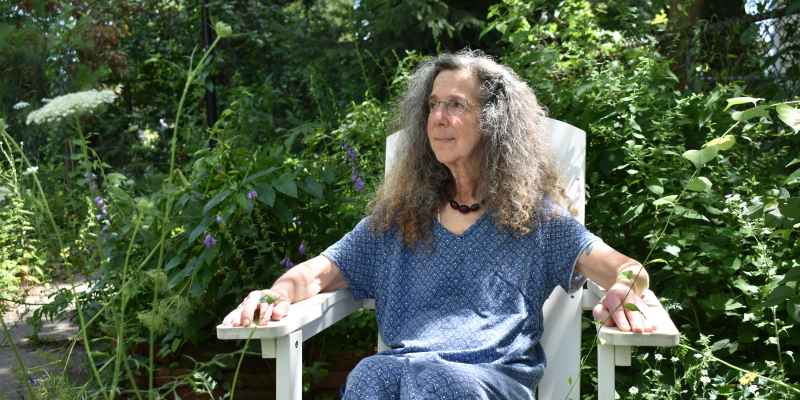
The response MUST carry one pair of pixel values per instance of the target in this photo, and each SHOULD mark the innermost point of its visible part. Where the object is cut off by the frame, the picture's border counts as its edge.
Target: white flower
(658, 356)
(698, 355)
(30, 170)
(71, 104)
(148, 137)
(704, 372)
(633, 390)
(21, 105)
(674, 359)
(706, 380)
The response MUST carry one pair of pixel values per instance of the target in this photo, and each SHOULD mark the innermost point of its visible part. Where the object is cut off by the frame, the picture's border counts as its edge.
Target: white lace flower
(148, 137)
(21, 105)
(633, 390)
(71, 104)
(706, 380)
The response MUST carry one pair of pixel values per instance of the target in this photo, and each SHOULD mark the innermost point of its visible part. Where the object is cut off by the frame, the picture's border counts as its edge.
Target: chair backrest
(561, 339)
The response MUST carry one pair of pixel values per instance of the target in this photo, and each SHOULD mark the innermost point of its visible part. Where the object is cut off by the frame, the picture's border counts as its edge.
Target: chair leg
(289, 367)
(605, 372)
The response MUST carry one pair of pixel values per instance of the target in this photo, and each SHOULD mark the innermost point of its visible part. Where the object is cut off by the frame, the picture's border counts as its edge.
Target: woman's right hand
(259, 307)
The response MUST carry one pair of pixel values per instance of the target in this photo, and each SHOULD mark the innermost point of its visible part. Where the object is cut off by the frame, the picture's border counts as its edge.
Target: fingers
(280, 310)
(264, 313)
(232, 319)
(601, 314)
(249, 307)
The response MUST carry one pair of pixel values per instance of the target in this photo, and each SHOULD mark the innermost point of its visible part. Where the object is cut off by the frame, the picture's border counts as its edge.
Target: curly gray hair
(516, 173)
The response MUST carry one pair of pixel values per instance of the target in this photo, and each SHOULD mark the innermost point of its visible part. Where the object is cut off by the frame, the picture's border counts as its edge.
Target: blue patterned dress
(463, 317)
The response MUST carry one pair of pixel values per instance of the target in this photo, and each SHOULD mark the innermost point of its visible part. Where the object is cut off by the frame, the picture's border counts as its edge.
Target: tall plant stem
(165, 228)
(86, 345)
(25, 376)
(729, 365)
(239, 364)
(123, 304)
(44, 204)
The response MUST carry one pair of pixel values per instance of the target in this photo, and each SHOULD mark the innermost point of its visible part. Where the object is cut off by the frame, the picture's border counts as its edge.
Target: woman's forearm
(308, 278)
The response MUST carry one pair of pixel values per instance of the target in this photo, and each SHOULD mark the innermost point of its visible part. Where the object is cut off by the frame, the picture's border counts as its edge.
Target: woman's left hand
(612, 311)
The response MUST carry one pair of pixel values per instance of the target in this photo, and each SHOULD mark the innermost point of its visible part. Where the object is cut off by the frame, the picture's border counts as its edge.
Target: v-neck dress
(462, 317)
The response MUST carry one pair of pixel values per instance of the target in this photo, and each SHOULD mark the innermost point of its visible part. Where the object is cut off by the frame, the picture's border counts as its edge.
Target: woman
(464, 242)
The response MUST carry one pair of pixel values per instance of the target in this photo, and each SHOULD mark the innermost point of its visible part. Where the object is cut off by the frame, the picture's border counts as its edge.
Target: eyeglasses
(453, 107)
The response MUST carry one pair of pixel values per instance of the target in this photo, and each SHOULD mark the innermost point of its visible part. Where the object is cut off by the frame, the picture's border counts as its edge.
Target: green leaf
(794, 177)
(723, 143)
(631, 307)
(731, 305)
(745, 287)
(789, 115)
(313, 187)
(265, 194)
(675, 251)
(286, 185)
(656, 189)
(779, 295)
(665, 200)
(790, 207)
(699, 158)
(760, 111)
(198, 230)
(699, 184)
(219, 198)
(259, 174)
(793, 162)
(173, 262)
(628, 275)
(689, 213)
(741, 100)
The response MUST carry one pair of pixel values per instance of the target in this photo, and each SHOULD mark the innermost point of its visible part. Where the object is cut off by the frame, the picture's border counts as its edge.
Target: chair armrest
(665, 335)
(313, 314)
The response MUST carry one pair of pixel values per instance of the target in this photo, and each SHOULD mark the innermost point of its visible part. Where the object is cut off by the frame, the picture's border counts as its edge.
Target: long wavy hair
(516, 172)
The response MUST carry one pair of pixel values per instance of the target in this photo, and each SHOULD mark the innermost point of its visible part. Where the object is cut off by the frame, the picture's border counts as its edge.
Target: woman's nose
(438, 114)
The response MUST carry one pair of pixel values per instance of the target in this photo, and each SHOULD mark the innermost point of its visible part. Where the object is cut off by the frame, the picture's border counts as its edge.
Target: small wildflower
(219, 219)
(98, 201)
(706, 380)
(747, 378)
(21, 105)
(287, 263)
(71, 104)
(251, 195)
(359, 183)
(633, 390)
(698, 355)
(209, 241)
(148, 138)
(674, 359)
(30, 170)
(658, 356)
(351, 152)
(222, 29)
(302, 249)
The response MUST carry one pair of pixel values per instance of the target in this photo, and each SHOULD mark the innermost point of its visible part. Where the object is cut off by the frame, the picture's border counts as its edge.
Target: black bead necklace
(463, 208)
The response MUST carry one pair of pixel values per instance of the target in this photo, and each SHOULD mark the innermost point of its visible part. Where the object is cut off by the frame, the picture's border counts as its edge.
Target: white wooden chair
(561, 340)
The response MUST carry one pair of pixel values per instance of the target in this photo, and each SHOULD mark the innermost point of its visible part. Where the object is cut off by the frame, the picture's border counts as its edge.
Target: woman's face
(453, 121)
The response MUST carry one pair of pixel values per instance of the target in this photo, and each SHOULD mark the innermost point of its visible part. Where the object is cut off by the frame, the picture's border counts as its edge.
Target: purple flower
(98, 201)
(251, 195)
(359, 183)
(351, 152)
(287, 263)
(302, 249)
(209, 241)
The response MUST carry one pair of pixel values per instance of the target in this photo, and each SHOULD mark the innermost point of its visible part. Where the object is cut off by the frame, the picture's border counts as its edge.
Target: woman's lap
(393, 377)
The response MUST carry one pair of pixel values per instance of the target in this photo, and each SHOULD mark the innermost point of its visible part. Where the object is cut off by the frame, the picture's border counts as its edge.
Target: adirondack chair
(561, 340)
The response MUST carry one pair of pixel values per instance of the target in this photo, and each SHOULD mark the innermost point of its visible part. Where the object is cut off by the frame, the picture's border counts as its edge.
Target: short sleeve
(359, 255)
(564, 240)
